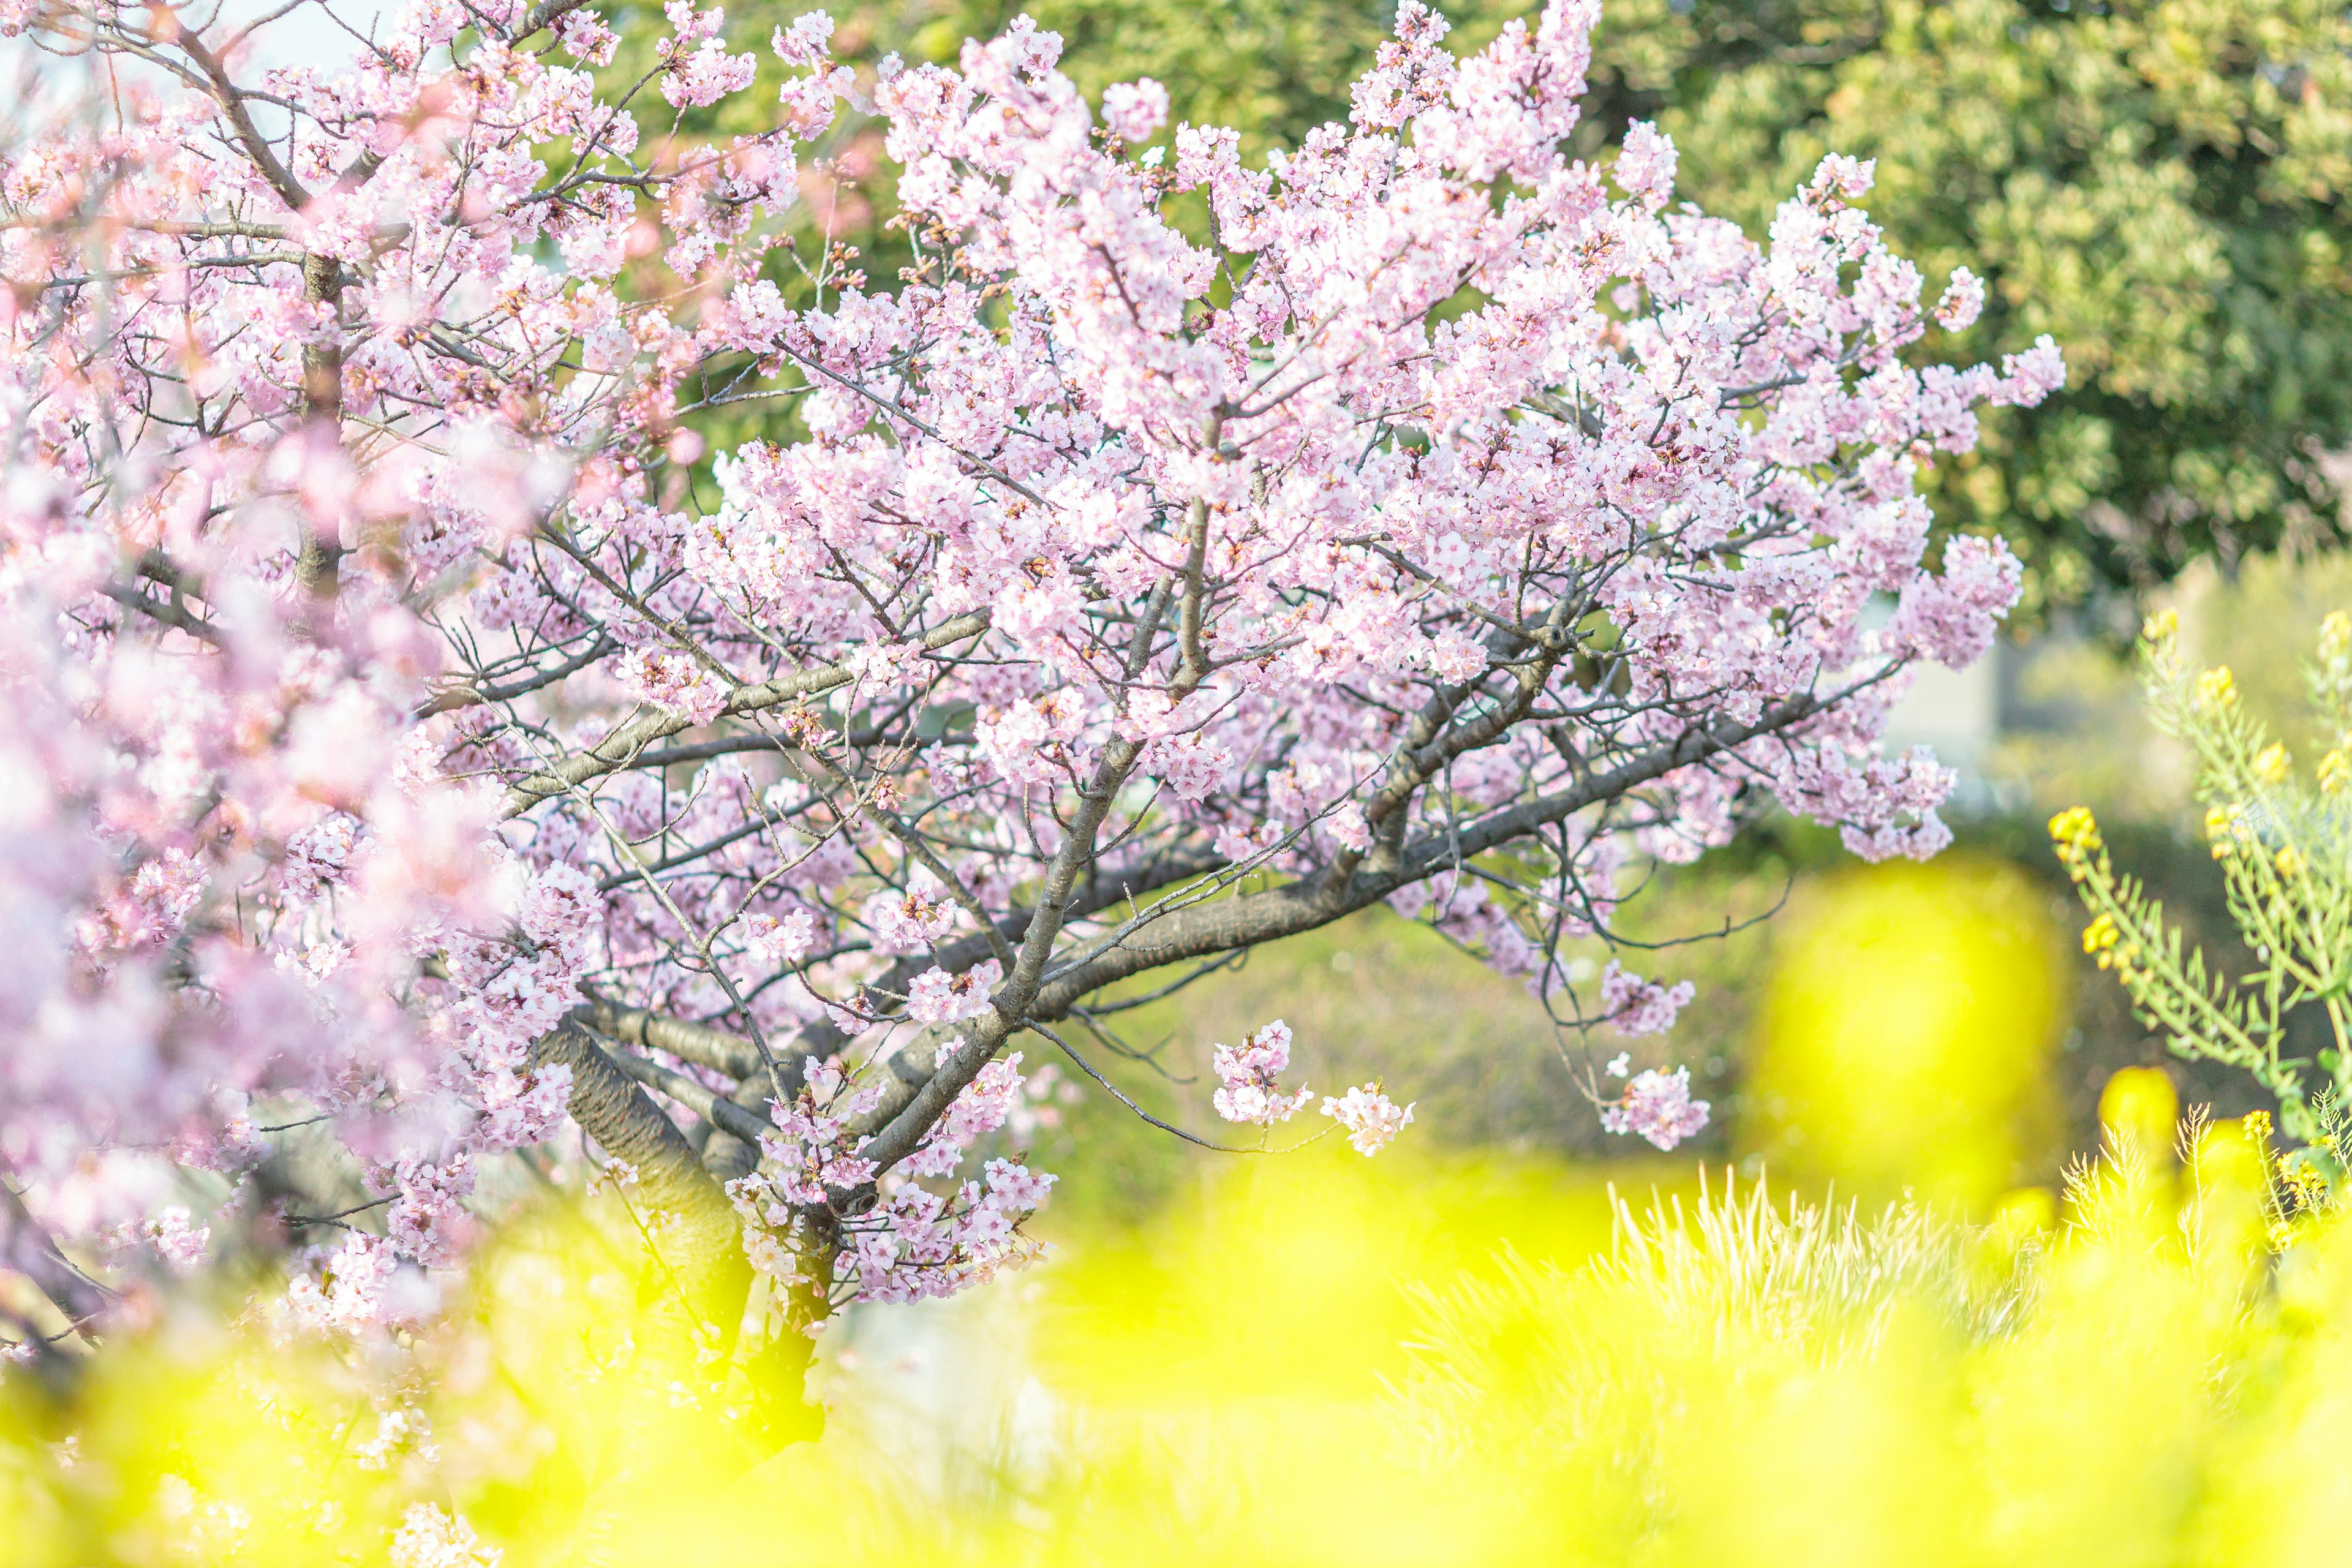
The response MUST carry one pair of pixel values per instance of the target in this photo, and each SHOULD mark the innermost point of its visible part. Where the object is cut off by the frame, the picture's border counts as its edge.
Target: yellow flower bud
(2216, 687)
(2221, 826)
(2100, 934)
(2076, 828)
(2334, 772)
(2161, 626)
(2289, 863)
(2270, 764)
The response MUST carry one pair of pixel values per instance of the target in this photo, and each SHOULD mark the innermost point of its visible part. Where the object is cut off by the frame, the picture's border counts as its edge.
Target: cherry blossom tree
(420, 737)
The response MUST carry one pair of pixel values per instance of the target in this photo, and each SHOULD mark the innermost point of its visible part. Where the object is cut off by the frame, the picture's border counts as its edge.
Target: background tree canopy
(2157, 185)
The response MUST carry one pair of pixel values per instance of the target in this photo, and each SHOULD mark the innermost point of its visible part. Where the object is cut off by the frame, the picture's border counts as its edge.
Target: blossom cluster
(1637, 1006)
(1245, 1075)
(910, 1242)
(1370, 1118)
(1657, 1107)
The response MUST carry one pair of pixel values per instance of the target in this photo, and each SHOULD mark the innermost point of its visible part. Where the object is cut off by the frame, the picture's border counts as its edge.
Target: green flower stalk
(2284, 845)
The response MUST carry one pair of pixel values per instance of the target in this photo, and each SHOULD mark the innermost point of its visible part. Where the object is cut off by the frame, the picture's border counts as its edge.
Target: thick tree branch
(1213, 927)
(26, 1248)
(702, 1243)
(711, 1107)
(1205, 930)
(697, 1043)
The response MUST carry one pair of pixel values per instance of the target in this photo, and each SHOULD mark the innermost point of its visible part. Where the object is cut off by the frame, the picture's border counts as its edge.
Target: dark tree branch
(621, 748)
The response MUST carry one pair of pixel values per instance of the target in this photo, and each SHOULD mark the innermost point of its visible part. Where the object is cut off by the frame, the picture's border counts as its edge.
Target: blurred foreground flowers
(1323, 1364)
(1906, 1033)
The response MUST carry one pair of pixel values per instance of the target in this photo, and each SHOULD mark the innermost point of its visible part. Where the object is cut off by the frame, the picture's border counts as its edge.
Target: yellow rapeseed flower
(2100, 934)
(2271, 765)
(2217, 688)
(2289, 863)
(2076, 829)
(2334, 772)
(2335, 636)
(2161, 626)
(2221, 828)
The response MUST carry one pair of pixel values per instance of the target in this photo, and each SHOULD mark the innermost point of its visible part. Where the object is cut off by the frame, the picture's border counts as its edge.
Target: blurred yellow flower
(2140, 1104)
(2076, 834)
(1907, 1032)
(2100, 934)
(2221, 828)
(2335, 636)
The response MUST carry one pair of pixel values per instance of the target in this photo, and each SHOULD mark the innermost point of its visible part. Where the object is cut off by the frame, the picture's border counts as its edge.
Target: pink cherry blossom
(1245, 1075)
(1962, 302)
(1132, 110)
(429, 1537)
(180, 1245)
(1658, 1107)
(1369, 1119)
(1632, 1005)
(672, 681)
(935, 996)
(779, 942)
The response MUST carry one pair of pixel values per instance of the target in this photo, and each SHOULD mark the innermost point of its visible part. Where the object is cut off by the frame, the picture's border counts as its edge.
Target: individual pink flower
(1014, 1188)
(429, 1538)
(706, 76)
(807, 42)
(181, 1245)
(781, 942)
(428, 1219)
(1645, 164)
(1849, 177)
(911, 921)
(586, 38)
(1962, 302)
(985, 1103)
